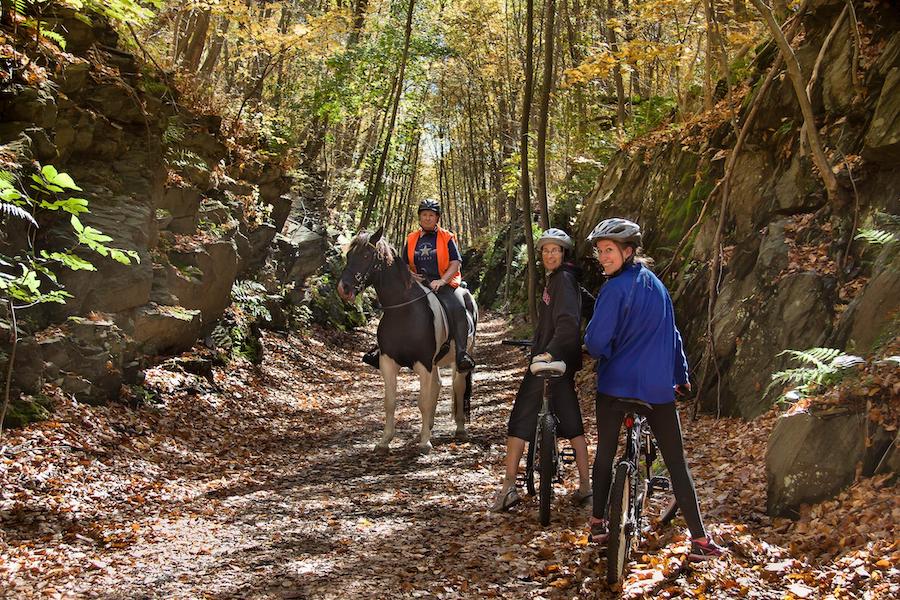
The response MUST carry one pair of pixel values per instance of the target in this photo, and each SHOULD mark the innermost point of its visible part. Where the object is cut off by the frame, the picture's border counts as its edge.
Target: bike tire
(529, 468)
(618, 549)
(546, 447)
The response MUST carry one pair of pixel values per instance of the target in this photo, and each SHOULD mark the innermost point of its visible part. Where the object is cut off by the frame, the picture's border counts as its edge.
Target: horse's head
(368, 254)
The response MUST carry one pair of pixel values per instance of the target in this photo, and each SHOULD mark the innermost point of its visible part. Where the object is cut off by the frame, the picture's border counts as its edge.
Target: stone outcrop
(160, 182)
(771, 297)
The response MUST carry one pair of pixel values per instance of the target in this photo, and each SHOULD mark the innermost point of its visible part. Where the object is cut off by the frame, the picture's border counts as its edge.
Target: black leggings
(666, 428)
(456, 316)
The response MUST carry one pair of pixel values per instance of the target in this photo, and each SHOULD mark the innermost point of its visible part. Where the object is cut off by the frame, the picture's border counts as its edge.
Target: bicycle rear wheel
(546, 450)
(621, 532)
(530, 468)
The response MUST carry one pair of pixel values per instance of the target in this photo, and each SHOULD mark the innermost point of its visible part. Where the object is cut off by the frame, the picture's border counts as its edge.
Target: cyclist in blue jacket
(639, 357)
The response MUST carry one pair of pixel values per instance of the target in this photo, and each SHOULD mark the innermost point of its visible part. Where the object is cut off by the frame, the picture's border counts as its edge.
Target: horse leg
(429, 387)
(389, 371)
(459, 394)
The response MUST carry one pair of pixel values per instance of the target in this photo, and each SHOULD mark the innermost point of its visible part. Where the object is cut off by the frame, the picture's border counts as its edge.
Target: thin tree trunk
(373, 193)
(540, 173)
(198, 42)
(524, 182)
(617, 69)
(215, 49)
(809, 119)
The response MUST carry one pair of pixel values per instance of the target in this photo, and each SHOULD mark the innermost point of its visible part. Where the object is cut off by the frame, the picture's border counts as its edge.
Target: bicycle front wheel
(621, 532)
(546, 449)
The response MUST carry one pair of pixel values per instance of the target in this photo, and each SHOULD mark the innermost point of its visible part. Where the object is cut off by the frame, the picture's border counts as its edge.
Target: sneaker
(580, 498)
(506, 499)
(599, 533)
(705, 549)
(372, 357)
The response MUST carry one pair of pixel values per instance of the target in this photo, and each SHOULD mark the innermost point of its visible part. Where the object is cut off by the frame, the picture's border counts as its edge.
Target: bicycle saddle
(556, 368)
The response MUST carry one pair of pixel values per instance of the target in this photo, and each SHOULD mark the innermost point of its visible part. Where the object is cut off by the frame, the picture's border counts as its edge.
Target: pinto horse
(413, 332)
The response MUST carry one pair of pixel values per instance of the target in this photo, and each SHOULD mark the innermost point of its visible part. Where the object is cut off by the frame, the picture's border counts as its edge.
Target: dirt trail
(267, 486)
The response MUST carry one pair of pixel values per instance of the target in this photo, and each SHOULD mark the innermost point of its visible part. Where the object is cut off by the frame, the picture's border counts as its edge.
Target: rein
(408, 301)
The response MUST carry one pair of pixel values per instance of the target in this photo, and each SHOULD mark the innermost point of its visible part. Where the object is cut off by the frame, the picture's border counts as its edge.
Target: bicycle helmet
(616, 229)
(430, 204)
(555, 236)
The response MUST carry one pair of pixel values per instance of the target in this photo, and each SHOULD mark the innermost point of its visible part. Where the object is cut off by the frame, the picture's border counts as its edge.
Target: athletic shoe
(705, 549)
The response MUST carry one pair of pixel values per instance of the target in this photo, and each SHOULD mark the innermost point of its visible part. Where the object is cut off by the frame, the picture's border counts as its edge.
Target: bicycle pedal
(660, 483)
(567, 456)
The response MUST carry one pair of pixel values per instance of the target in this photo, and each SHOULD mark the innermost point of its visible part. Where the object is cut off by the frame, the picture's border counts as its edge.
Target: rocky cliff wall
(781, 286)
(161, 181)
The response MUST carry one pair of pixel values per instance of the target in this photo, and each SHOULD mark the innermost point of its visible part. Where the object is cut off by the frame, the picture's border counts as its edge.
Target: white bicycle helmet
(619, 230)
(555, 236)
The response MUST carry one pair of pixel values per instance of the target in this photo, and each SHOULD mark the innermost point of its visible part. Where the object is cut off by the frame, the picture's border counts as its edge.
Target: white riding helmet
(555, 236)
(619, 230)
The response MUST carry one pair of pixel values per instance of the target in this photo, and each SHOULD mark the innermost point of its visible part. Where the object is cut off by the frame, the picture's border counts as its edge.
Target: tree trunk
(540, 173)
(524, 182)
(617, 69)
(376, 187)
(215, 49)
(198, 42)
(835, 197)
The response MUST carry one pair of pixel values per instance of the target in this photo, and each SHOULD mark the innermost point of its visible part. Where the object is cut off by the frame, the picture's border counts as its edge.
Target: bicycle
(632, 490)
(544, 457)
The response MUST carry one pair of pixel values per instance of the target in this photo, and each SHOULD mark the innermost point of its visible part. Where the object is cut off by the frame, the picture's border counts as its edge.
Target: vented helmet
(430, 204)
(619, 230)
(555, 236)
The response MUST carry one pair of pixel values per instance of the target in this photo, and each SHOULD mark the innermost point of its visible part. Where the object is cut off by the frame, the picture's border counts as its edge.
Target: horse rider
(433, 257)
(557, 336)
(640, 358)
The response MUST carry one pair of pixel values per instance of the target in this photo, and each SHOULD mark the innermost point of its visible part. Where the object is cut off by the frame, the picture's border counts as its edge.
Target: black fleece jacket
(558, 328)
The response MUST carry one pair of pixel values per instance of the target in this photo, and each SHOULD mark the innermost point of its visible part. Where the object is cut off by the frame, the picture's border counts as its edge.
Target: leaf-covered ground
(263, 484)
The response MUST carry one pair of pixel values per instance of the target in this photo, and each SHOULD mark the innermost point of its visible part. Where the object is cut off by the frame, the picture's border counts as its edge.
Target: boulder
(87, 358)
(202, 279)
(165, 329)
(301, 252)
(797, 315)
(882, 143)
(32, 105)
(811, 458)
(182, 203)
(873, 314)
(114, 287)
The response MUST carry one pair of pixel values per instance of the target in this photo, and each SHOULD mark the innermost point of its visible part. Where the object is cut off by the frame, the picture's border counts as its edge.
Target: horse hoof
(462, 436)
(425, 448)
(379, 449)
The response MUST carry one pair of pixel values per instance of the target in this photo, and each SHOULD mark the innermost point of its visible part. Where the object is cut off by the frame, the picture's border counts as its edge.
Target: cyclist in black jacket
(556, 337)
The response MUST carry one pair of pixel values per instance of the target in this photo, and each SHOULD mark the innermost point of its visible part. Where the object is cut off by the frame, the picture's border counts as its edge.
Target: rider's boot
(372, 357)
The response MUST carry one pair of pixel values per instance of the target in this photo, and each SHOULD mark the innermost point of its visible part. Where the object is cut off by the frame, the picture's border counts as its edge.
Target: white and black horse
(413, 332)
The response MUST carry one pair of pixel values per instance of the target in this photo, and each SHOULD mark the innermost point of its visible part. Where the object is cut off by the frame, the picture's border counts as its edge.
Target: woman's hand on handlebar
(542, 357)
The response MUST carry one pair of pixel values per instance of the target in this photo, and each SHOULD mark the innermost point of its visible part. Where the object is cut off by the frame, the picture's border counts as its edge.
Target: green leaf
(124, 256)
(76, 224)
(72, 261)
(63, 180)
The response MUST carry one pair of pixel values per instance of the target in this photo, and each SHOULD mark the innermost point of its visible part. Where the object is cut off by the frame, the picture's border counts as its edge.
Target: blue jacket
(634, 338)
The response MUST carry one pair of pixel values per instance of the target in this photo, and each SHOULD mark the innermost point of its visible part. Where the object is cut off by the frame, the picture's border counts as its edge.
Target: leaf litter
(263, 483)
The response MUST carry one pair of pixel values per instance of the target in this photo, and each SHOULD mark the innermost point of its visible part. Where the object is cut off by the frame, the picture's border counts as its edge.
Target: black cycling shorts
(563, 401)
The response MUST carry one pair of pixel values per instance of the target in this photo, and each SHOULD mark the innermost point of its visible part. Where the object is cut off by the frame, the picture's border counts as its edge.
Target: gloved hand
(682, 389)
(542, 357)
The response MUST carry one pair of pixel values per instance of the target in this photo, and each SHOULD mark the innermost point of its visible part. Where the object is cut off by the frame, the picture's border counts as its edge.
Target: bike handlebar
(519, 343)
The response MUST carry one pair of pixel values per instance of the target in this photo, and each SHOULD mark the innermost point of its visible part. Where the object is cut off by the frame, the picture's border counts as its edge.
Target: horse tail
(467, 397)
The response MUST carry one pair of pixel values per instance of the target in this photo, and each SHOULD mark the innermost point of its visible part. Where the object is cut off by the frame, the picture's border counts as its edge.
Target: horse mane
(384, 253)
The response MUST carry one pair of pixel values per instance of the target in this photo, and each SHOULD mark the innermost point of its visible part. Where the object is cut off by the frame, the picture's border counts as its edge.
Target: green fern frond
(876, 237)
(12, 209)
(56, 37)
(828, 364)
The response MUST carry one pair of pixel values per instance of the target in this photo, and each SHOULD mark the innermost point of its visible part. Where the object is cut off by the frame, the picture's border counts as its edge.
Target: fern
(881, 235)
(251, 296)
(826, 367)
(12, 209)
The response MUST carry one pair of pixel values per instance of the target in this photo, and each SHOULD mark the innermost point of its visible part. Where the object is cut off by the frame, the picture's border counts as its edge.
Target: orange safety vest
(443, 253)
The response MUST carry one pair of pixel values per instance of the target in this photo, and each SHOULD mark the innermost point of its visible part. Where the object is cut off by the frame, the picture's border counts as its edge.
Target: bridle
(361, 278)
